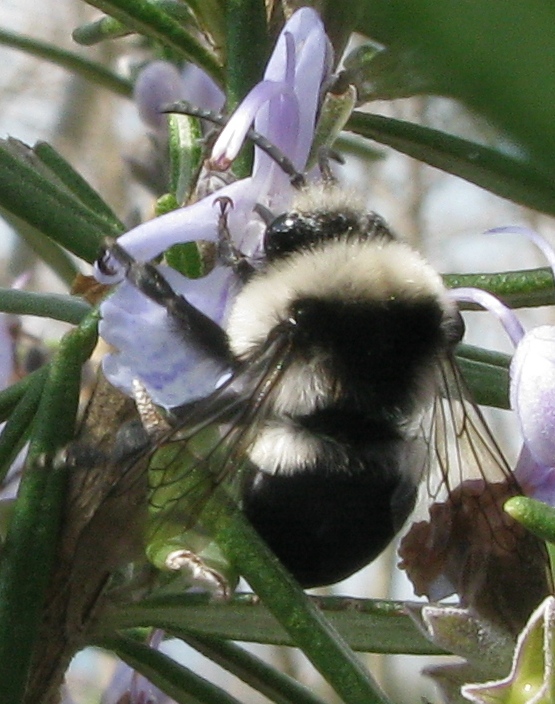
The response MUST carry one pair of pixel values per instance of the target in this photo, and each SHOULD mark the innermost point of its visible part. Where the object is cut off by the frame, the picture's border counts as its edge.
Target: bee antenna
(182, 107)
(264, 213)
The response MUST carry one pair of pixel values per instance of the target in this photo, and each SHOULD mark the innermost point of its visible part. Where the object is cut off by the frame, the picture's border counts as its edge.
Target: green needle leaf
(496, 172)
(303, 621)
(30, 546)
(537, 517)
(66, 59)
(10, 397)
(68, 309)
(367, 625)
(148, 19)
(30, 190)
(177, 681)
(275, 685)
(486, 373)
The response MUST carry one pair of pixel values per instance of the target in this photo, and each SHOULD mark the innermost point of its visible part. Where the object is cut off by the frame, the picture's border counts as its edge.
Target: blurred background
(443, 216)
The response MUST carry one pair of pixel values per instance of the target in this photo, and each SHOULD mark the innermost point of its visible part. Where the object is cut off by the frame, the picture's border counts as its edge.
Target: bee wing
(210, 443)
(468, 544)
(464, 448)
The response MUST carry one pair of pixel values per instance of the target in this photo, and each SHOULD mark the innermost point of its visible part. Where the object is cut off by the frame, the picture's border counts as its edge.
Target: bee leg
(151, 419)
(228, 254)
(325, 155)
(198, 572)
(196, 328)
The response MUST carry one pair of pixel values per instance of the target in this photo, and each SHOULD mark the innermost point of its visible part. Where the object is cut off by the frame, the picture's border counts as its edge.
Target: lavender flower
(160, 82)
(532, 385)
(284, 108)
(533, 399)
(156, 85)
(471, 546)
(498, 587)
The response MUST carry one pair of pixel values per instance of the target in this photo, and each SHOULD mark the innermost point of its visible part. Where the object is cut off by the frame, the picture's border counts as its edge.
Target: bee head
(321, 214)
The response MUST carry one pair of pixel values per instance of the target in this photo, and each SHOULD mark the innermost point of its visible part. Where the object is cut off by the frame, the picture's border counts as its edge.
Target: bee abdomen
(324, 523)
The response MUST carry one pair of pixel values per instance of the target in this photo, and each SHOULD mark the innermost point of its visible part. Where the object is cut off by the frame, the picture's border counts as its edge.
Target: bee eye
(455, 329)
(282, 235)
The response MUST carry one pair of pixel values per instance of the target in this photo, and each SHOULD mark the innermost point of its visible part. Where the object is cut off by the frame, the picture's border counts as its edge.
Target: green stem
(30, 547)
(518, 289)
(247, 52)
(310, 631)
(247, 47)
(69, 309)
(180, 683)
(72, 62)
(144, 17)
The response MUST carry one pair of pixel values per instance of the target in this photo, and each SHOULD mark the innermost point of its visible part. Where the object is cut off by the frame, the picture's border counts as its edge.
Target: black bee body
(327, 520)
(340, 453)
(336, 346)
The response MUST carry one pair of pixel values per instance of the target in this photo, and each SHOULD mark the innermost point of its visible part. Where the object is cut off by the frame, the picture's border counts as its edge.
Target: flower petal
(533, 392)
(233, 135)
(284, 107)
(300, 58)
(489, 302)
(535, 479)
(195, 222)
(152, 350)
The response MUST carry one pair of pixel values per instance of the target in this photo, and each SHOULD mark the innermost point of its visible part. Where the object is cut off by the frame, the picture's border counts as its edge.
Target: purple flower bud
(533, 399)
(157, 84)
(160, 83)
(201, 90)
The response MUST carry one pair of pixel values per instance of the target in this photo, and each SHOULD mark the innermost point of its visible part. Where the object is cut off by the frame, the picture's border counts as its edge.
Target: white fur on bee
(347, 270)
